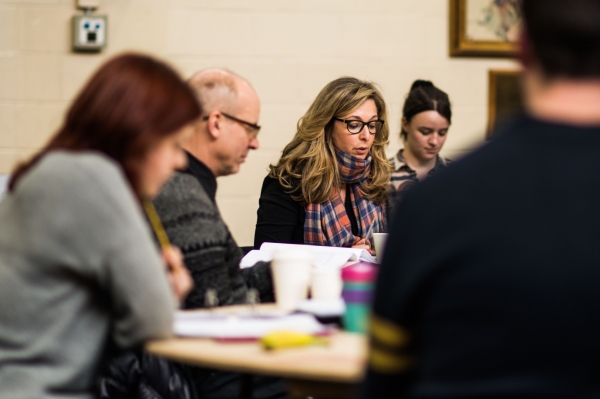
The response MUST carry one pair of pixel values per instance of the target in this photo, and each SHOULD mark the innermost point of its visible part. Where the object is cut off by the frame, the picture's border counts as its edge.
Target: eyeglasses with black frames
(354, 126)
(251, 128)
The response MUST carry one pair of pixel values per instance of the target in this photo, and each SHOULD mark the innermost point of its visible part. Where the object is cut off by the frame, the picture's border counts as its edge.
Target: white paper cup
(291, 277)
(326, 283)
(380, 239)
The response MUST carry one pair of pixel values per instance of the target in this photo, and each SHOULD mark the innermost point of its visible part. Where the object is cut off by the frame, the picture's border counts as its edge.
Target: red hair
(130, 104)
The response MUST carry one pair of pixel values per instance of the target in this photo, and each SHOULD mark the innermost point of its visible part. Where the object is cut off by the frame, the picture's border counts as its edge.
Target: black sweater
(281, 219)
(188, 210)
(193, 222)
(492, 274)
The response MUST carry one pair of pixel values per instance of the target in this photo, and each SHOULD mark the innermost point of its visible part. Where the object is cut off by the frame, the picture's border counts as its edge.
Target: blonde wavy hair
(308, 167)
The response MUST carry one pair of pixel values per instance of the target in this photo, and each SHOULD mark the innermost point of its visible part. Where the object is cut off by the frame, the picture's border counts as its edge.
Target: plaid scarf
(329, 224)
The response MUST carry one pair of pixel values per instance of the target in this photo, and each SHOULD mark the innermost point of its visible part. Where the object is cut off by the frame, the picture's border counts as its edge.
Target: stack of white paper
(334, 257)
(323, 307)
(188, 324)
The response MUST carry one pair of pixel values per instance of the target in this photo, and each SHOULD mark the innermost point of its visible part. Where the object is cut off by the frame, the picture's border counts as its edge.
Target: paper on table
(208, 325)
(323, 307)
(323, 256)
(254, 256)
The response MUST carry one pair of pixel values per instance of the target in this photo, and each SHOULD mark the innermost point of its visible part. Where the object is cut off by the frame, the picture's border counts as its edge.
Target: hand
(178, 275)
(364, 244)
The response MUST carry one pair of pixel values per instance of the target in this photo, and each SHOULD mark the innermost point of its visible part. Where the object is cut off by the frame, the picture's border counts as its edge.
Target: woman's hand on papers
(364, 244)
(178, 275)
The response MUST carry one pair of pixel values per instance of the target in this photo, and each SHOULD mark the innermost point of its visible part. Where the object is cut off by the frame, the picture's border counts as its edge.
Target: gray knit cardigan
(194, 224)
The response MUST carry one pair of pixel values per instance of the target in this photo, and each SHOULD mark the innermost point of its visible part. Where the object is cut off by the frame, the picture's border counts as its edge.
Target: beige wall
(288, 49)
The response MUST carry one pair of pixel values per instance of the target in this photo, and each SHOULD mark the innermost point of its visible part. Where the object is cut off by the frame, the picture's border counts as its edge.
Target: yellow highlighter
(288, 339)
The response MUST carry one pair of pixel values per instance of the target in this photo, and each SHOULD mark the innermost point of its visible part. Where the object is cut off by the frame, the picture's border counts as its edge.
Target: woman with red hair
(78, 265)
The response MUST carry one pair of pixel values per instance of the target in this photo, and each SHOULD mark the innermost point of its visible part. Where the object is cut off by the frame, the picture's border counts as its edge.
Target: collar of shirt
(400, 165)
(204, 175)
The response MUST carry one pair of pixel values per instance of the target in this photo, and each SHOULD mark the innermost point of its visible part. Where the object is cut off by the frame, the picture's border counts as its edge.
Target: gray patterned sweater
(193, 223)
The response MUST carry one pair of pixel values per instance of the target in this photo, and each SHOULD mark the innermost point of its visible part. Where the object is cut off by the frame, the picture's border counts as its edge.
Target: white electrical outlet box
(89, 32)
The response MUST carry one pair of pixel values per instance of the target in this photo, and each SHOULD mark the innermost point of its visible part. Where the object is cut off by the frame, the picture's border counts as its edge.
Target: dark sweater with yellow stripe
(490, 284)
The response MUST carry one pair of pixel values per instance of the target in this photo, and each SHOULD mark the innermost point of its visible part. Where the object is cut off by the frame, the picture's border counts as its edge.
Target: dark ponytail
(421, 83)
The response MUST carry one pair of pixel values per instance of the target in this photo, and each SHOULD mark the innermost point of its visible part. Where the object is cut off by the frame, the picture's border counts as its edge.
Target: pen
(369, 231)
(157, 226)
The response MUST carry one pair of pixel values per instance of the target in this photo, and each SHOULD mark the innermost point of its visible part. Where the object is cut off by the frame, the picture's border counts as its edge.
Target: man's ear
(524, 53)
(214, 124)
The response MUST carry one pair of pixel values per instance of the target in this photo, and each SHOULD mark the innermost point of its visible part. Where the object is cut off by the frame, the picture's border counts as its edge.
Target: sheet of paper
(323, 256)
(323, 307)
(367, 257)
(255, 256)
(209, 325)
(330, 259)
(273, 246)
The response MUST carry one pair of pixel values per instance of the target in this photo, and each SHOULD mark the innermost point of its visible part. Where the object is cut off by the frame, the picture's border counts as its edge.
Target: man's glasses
(252, 128)
(355, 127)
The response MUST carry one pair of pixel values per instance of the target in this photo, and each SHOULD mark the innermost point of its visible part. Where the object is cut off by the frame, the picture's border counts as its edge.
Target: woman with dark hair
(426, 118)
(331, 182)
(78, 265)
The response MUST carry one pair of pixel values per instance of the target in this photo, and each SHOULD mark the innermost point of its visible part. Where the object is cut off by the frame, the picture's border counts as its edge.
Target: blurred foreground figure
(490, 286)
(78, 265)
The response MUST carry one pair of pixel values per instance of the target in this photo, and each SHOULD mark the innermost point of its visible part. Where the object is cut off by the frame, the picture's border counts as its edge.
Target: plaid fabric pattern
(329, 224)
(404, 177)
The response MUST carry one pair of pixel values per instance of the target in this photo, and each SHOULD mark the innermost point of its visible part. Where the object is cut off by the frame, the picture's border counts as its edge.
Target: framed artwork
(505, 98)
(484, 28)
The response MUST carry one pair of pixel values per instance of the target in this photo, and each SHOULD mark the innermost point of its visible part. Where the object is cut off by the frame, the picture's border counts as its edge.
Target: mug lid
(361, 271)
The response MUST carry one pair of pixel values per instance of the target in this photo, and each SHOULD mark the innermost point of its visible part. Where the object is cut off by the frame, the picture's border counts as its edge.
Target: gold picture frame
(484, 28)
(504, 98)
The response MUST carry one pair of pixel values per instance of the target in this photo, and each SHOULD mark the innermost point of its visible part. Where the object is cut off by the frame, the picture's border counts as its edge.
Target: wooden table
(332, 371)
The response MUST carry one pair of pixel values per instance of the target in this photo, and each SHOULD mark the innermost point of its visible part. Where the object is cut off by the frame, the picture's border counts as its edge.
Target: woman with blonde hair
(330, 184)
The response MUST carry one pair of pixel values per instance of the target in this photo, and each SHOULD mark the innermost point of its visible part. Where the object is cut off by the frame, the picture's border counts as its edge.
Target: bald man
(224, 136)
